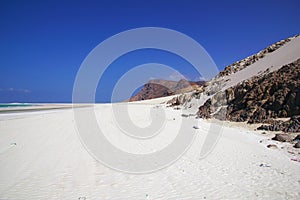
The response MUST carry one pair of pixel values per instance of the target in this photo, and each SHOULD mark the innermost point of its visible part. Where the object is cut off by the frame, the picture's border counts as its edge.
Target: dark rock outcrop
(292, 125)
(273, 95)
(268, 96)
(283, 137)
(205, 110)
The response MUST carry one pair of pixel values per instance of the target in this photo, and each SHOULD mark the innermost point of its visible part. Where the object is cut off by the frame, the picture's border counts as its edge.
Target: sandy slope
(41, 157)
(273, 61)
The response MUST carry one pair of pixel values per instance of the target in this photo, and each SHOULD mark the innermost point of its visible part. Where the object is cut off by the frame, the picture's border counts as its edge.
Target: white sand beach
(42, 157)
(149, 100)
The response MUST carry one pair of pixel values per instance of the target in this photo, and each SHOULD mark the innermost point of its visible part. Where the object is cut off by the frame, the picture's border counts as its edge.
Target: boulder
(196, 127)
(297, 145)
(297, 137)
(282, 137)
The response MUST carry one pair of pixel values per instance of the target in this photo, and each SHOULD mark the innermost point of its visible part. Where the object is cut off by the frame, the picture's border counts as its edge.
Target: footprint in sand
(7, 148)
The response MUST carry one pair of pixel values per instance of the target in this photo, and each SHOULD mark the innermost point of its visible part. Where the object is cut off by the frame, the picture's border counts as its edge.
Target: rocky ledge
(292, 125)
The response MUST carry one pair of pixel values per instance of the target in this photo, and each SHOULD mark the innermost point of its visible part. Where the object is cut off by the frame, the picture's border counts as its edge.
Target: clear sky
(43, 43)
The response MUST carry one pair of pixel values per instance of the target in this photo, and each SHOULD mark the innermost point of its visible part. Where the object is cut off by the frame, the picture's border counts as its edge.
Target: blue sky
(43, 43)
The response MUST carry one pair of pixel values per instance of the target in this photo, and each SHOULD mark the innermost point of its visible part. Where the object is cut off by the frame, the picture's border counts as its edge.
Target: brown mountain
(162, 88)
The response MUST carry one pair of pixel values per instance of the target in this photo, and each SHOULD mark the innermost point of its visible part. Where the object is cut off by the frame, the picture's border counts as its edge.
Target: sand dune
(286, 54)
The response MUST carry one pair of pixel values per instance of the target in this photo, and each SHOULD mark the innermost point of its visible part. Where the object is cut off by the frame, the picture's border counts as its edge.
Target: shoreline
(40, 107)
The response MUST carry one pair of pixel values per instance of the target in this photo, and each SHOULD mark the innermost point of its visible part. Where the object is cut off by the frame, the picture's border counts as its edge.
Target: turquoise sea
(11, 105)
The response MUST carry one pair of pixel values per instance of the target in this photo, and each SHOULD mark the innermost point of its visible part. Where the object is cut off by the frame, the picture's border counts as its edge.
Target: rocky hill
(259, 89)
(162, 88)
(260, 99)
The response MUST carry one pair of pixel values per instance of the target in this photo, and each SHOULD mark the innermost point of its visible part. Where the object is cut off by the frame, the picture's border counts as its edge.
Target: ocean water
(11, 105)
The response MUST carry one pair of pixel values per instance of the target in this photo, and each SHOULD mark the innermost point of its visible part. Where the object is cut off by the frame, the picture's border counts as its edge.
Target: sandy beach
(42, 157)
(149, 100)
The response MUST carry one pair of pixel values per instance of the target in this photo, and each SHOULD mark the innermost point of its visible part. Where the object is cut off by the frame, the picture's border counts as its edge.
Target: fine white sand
(41, 157)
